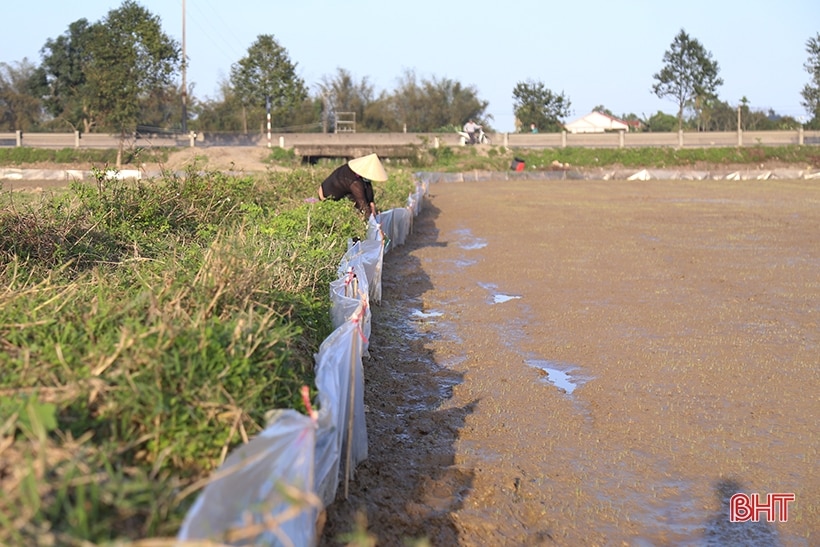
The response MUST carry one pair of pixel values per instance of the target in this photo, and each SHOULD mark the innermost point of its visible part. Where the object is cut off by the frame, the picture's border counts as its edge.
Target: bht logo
(745, 507)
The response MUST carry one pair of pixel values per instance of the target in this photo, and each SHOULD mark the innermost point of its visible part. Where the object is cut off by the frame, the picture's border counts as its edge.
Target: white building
(596, 122)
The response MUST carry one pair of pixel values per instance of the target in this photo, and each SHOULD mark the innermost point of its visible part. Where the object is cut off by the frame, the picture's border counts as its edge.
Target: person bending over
(353, 180)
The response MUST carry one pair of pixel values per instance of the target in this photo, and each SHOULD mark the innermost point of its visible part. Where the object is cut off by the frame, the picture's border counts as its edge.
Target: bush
(150, 326)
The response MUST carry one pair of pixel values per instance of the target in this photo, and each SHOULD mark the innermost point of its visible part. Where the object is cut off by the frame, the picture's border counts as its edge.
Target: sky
(595, 52)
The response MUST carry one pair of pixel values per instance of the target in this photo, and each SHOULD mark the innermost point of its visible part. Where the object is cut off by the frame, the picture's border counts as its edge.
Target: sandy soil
(249, 159)
(685, 315)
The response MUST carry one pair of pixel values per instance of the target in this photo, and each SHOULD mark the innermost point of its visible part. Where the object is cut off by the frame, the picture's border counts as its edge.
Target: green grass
(146, 327)
(670, 157)
(498, 158)
(454, 159)
(21, 156)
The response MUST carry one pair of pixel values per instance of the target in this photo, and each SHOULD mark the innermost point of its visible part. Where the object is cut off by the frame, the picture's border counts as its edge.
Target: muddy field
(595, 363)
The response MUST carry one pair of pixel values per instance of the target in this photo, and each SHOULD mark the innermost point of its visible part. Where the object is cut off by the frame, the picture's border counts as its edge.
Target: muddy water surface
(596, 363)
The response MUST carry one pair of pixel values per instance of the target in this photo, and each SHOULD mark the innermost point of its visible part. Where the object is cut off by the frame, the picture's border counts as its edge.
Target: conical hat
(368, 167)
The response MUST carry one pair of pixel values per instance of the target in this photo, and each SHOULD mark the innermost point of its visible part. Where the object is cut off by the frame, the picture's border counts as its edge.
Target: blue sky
(596, 52)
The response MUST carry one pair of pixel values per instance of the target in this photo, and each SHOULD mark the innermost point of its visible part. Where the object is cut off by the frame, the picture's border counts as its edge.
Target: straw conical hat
(368, 167)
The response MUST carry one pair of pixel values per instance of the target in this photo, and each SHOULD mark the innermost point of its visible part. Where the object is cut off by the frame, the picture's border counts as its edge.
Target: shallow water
(559, 377)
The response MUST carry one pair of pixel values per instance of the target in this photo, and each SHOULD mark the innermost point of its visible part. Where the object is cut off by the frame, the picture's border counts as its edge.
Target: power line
(216, 32)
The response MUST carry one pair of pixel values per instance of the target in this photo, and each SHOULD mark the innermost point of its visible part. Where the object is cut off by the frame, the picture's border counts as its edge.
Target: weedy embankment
(146, 327)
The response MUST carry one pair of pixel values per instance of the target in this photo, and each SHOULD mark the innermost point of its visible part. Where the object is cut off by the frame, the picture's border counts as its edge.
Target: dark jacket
(343, 182)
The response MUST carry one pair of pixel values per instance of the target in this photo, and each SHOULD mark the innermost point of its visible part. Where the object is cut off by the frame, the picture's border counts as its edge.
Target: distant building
(598, 122)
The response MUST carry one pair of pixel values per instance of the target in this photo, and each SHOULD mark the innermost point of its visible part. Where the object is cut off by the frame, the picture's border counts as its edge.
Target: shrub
(150, 325)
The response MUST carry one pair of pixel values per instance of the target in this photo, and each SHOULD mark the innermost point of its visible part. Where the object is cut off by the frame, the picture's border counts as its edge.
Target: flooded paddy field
(595, 363)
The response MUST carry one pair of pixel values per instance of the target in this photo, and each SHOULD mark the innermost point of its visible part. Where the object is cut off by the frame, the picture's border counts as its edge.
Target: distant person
(533, 128)
(353, 180)
(470, 128)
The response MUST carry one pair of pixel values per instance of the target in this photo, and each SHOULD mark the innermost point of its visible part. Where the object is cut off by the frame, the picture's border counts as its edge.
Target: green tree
(639, 124)
(224, 113)
(61, 77)
(111, 74)
(19, 107)
(660, 122)
(689, 75)
(721, 116)
(380, 114)
(129, 58)
(161, 110)
(306, 117)
(811, 91)
(534, 103)
(437, 104)
(341, 93)
(108, 74)
(267, 72)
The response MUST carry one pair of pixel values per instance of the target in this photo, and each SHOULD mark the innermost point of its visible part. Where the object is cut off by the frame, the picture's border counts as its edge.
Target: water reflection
(557, 374)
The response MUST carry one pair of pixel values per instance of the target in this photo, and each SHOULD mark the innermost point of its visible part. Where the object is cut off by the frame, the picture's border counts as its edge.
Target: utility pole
(184, 78)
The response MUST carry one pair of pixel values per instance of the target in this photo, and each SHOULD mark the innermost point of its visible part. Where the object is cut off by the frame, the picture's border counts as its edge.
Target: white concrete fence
(620, 139)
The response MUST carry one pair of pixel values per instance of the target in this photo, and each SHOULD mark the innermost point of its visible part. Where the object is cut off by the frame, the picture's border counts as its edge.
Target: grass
(671, 157)
(497, 158)
(468, 158)
(146, 327)
(21, 156)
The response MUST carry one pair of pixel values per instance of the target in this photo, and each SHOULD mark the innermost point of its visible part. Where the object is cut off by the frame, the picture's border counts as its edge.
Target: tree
(19, 107)
(534, 103)
(61, 77)
(342, 94)
(689, 76)
(267, 72)
(223, 113)
(638, 124)
(380, 114)
(161, 110)
(721, 117)
(106, 74)
(129, 58)
(437, 104)
(811, 91)
(660, 122)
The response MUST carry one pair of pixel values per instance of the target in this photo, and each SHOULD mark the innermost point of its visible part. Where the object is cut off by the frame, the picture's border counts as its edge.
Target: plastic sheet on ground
(370, 254)
(257, 485)
(345, 294)
(342, 438)
(401, 221)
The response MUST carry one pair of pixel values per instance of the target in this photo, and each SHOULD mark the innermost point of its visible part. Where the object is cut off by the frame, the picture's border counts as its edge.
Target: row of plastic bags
(271, 490)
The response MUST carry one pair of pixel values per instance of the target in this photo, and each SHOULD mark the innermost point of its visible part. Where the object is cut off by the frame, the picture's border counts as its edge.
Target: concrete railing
(330, 141)
(92, 140)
